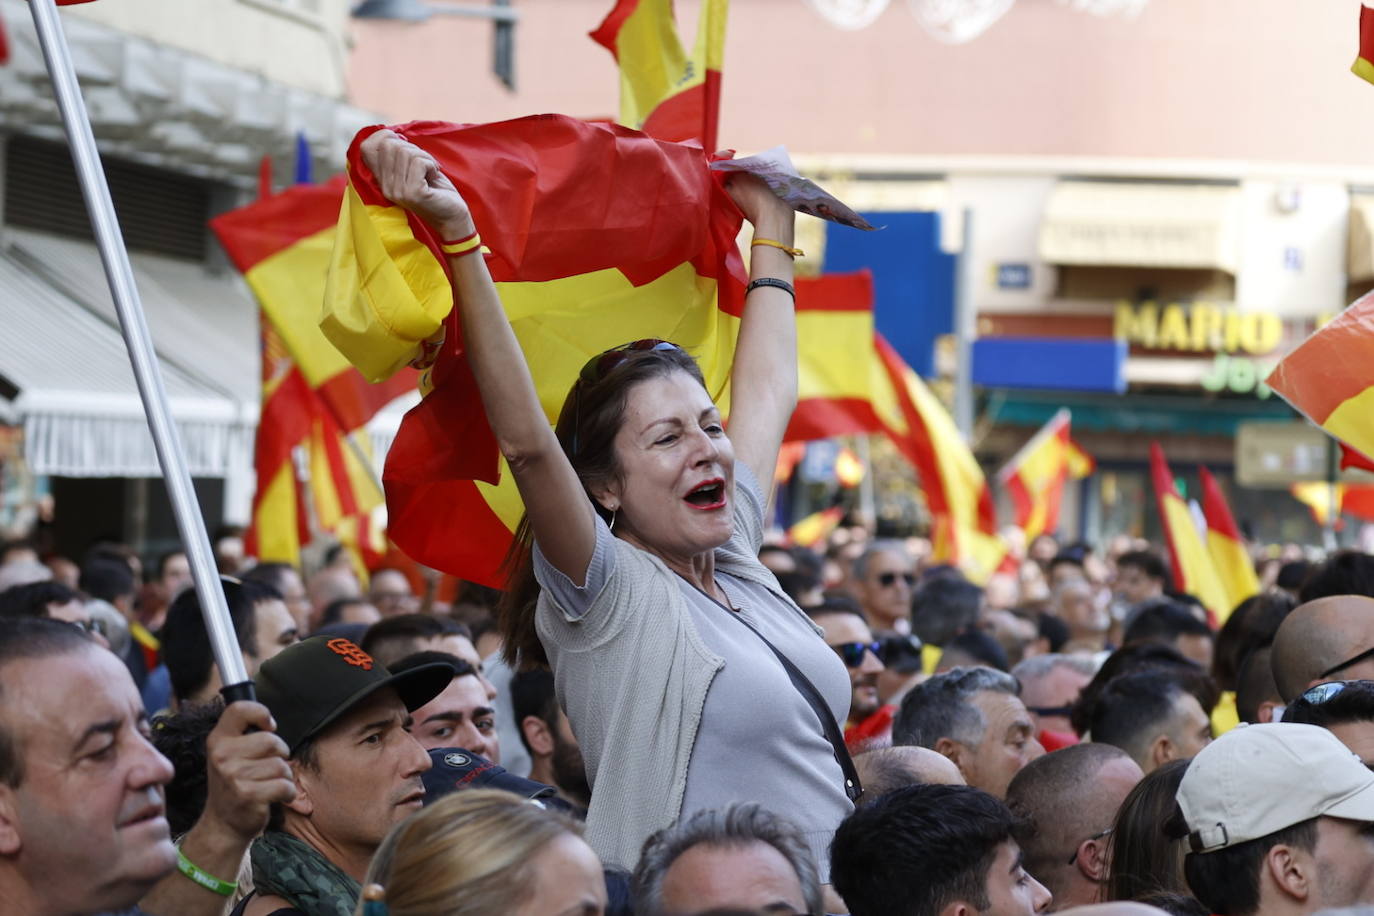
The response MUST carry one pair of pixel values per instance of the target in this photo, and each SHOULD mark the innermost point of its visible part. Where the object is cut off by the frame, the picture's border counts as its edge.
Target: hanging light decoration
(957, 21)
(849, 14)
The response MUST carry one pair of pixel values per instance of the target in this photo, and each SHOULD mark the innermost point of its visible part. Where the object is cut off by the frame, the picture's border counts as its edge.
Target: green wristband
(204, 878)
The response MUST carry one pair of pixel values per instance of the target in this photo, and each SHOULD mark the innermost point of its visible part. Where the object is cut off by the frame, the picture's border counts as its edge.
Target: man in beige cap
(1278, 819)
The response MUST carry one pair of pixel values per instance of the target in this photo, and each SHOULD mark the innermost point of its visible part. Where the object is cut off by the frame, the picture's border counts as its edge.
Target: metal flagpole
(134, 327)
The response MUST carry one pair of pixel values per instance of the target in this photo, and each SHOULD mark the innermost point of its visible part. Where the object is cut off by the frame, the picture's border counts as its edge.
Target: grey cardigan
(632, 675)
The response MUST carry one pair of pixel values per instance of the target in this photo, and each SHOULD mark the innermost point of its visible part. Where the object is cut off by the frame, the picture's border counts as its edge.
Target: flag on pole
(850, 381)
(1225, 544)
(663, 91)
(581, 263)
(312, 397)
(1364, 60)
(816, 527)
(1328, 377)
(1192, 565)
(1035, 476)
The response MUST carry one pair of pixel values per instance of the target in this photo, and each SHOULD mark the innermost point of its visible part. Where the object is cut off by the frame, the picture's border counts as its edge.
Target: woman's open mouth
(709, 494)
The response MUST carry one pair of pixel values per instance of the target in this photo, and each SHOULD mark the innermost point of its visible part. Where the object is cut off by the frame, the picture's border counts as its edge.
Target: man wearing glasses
(884, 576)
(870, 723)
(1326, 639)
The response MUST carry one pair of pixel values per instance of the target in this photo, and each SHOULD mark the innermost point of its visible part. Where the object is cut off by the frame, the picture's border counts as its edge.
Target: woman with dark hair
(1142, 858)
(682, 666)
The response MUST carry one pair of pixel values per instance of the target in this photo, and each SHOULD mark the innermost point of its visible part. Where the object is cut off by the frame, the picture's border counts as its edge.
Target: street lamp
(503, 18)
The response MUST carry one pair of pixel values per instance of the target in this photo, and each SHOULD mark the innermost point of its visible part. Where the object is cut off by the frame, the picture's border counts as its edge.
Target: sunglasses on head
(889, 579)
(603, 364)
(1367, 653)
(1324, 693)
(852, 653)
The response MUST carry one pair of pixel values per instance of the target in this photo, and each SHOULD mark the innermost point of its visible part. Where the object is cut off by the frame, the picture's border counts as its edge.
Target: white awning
(1141, 224)
(71, 387)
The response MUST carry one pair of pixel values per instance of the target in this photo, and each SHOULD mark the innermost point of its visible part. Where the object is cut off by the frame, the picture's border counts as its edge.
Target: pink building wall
(1212, 79)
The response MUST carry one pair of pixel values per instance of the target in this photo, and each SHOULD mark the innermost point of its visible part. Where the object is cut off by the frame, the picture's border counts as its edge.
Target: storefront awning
(68, 381)
(1139, 224)
(1360, 239)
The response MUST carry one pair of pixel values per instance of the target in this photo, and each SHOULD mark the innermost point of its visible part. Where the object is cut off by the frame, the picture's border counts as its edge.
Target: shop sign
(1198, 327)
(1013, 275)
(1239, 374)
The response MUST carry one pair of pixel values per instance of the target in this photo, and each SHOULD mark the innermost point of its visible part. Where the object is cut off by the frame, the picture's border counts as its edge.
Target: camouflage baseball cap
(308, 686)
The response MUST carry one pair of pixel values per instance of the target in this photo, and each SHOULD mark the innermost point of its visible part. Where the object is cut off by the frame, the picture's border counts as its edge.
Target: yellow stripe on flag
(1195, 563)
(1234, 569)
(275, 519)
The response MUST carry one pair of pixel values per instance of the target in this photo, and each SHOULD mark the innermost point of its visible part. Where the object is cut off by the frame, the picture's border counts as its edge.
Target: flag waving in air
(1035, 476)
(1364, 61)
(312, 397)
(663, 91)
(582, 263)
(1193, 571)
(851, 381)
(1225, 545)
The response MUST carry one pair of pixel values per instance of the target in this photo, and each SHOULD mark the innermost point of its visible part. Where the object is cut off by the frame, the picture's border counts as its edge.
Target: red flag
(1364, 61)
(1225, 544)
(1192, 565)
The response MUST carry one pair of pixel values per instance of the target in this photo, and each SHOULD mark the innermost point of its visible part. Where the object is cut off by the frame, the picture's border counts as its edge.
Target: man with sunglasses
(1344, 708)
(884, 576)
(1329, 638)
(870, 722)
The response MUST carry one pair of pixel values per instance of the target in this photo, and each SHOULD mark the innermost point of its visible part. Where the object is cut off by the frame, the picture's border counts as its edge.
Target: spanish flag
(663, 91)
(1034, 477)
(1225, 545)
(1194, 572)
(816, 527)
(852, 382)
(312, 397)
(1364, 61)
(596, 235)
(1328, 377)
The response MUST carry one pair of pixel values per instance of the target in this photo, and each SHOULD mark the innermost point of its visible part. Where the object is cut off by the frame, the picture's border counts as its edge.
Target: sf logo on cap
(350, 653)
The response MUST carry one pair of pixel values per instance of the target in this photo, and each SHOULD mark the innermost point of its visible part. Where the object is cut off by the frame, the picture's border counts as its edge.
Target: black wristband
(774, 282)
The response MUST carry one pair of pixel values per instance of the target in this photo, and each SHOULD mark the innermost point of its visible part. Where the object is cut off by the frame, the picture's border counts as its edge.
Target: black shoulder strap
(852, 788)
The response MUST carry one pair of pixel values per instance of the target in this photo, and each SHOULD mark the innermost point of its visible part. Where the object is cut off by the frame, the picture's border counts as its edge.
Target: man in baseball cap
(1279, 821)
(357, 769)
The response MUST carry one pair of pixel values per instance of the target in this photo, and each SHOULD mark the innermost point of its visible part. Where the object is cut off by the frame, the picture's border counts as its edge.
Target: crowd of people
(670, 710)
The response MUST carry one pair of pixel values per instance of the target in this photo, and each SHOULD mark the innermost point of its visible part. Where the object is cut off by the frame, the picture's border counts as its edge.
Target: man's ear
(958, 908)
(1290, 870)
(537, 736)
(1092, 860)
(1162, 751)
(948, 747)
(303, 804)
(10, 842)
(1266, 711)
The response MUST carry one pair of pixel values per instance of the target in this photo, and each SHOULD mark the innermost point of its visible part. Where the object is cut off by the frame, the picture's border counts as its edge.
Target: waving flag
(596, 234)
(1035, 476)
(1329, 378)
(663, 91)
(1192, 566)
(851, 382)
(1225, 544)
(1364, 61)
(312, 397)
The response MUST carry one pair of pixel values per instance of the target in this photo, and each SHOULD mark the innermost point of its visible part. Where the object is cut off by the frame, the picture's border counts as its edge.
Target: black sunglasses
(1367, 653)
(889, 579)
(1322, 693)
(1050, 711)
(602, 364)
(852, 653)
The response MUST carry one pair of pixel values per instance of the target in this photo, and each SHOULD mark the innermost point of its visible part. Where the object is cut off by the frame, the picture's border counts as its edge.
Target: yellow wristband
(462, 246)
(791, 252)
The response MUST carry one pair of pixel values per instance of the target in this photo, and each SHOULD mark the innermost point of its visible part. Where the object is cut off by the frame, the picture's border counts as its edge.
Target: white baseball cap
(1258, 779)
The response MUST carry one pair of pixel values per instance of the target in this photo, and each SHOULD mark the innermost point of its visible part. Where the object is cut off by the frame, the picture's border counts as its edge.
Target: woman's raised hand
(767, 213)
(410, 177)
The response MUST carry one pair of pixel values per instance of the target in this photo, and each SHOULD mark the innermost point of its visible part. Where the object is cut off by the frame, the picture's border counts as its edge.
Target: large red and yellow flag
(1329, 378)
(312, 397)
(597, 235)
(664, 91)
(1194, 573)
(1364, 60)
(1225, 544)
(1034, 478)
(852, 382)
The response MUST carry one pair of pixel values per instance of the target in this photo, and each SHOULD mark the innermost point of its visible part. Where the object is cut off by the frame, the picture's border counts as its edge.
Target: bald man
(1068, 801)
(888, 768)
(1323, 640)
